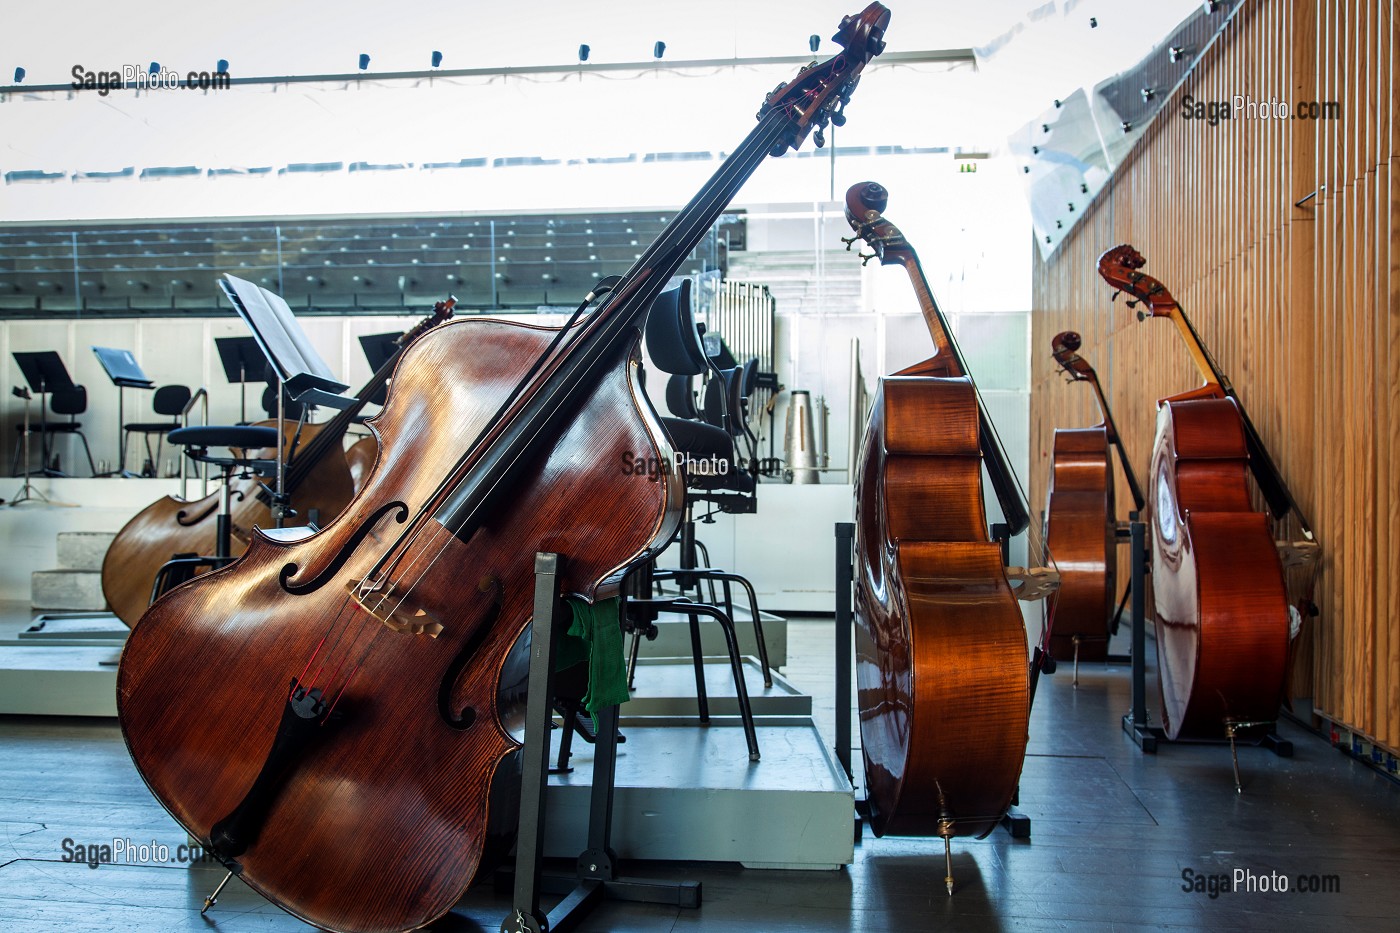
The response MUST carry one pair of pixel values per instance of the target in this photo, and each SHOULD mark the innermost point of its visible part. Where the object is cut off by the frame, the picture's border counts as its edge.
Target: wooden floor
(1113, 832)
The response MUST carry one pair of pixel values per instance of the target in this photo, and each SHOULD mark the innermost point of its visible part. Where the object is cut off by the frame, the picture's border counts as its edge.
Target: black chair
(674, 344)
(197, 440)
(71, 402)
(169, 401)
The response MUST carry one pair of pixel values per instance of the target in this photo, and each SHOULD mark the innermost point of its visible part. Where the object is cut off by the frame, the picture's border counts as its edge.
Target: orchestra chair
(169, 401)
(71, 402)
(241, 440)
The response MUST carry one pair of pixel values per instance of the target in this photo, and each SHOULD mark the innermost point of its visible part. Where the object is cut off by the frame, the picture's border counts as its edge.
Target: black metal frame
(596, 874)
(1016, 823)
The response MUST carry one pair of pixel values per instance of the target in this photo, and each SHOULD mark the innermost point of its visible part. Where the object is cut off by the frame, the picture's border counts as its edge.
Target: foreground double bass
(329, 716)
(321, 476)
(1081, 523)
(1223, 615)
(941, 660)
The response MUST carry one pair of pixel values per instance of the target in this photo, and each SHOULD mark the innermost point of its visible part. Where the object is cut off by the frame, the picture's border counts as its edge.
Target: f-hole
(463, 720)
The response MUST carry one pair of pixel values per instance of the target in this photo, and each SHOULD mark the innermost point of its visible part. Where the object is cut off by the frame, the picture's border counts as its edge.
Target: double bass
(330, 717)
(1223, 617)
(942, 669)
(321, 472)
(1081, 524)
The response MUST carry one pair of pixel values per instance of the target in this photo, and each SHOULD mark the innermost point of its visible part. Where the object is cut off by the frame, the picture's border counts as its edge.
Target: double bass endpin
(948, 863)
(213, 899)
(1076, 662)
(945, 829)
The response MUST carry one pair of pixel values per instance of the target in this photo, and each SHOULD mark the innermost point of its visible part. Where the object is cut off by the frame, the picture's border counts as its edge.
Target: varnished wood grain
(1298, 303)
(390, 802)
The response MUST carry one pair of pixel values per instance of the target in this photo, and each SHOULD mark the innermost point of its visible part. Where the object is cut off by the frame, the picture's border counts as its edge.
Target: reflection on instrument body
(319, 473)
(941, 660)
(1081, 521)
(1222, 611)
(326, 715)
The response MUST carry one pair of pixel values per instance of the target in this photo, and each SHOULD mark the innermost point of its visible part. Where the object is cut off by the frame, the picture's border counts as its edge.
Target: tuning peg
(865, 257)
(819, 138)
(838, 119)
(849, 241)
(1114, 296)
(778, 149)
(1142, 315)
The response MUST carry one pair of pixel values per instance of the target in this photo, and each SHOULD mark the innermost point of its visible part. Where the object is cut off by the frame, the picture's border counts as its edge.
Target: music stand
(46, 374)
(121, 367)
(243, 363)
(297, 366)
(379, 349)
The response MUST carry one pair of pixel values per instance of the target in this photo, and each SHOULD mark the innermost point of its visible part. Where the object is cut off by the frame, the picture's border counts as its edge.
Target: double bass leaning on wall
(1224, 621)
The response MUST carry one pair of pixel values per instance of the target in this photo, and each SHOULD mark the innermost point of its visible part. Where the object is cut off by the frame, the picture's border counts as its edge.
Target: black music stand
(121, 367)
(299, 370)
(379, 349)
(46, 374)
(243, 363)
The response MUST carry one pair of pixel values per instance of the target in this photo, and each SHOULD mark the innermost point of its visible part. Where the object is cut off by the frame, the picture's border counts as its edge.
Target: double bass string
(724, 183)
(719, 189)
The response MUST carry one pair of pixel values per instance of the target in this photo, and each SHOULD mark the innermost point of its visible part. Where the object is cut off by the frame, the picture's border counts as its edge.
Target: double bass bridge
(1034, 582)
(398, 611)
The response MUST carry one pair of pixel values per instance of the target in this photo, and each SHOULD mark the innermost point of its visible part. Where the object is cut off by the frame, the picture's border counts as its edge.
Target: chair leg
(92, 468)
(698, 653)
(703, 553)
(632, 660)
(757, 629)
(741, 689)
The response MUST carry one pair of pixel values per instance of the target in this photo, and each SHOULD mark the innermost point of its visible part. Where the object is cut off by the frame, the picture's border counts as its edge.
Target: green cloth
(595, 636)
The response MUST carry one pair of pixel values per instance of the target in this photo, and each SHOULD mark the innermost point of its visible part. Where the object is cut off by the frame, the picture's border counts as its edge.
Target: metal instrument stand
(595, 878)
(1137, 721)
(121, 367)
(1014, 821)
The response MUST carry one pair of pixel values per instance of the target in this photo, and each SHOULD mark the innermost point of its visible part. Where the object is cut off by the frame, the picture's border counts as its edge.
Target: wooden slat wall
(1299, 305)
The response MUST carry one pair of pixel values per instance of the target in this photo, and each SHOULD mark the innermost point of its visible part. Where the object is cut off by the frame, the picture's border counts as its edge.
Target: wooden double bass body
(1219, 593)
(332, 716)
(1081, 521)
(321, 475)
(941, 659)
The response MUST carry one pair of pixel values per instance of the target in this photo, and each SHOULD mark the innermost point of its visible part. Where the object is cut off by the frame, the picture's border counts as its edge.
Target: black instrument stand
(243, 362)
(46, 374)
(1016, 823)
(121, 367)
(298, 369)
(595, 878)
(1137, 721)
(28, 492)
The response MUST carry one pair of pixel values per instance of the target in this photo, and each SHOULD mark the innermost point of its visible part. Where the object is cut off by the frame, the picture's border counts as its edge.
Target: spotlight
(154, 69)
(437, 58)
(19, 75)
(364, 61)
(658, 50)
(583, 51)
(222, 66)
(814, 42)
